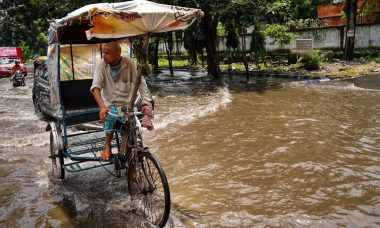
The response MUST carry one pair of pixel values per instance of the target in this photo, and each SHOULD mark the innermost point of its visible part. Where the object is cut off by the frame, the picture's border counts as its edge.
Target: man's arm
(97, 85)
(103, 108)
(144, 91)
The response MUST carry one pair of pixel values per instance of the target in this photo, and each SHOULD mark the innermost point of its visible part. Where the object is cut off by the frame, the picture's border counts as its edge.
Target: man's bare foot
(106, 154)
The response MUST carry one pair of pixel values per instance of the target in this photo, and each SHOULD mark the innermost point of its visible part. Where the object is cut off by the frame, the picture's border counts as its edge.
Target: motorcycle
(17, 78)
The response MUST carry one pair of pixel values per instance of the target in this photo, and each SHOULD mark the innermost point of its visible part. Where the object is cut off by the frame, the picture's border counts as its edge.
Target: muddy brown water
(271, 153)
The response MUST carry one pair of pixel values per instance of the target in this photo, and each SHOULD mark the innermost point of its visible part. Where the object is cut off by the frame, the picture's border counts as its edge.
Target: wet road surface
(269, 153)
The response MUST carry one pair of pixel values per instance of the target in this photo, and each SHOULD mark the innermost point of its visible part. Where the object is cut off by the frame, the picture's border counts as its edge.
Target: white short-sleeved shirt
(119, 92)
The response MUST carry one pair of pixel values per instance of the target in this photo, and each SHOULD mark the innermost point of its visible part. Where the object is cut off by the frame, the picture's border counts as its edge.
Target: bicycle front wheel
(149, 188)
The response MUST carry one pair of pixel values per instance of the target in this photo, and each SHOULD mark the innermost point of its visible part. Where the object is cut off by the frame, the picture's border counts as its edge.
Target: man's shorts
(112, 117)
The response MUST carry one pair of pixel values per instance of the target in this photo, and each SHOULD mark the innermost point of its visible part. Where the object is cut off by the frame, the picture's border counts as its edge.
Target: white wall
(324, 38)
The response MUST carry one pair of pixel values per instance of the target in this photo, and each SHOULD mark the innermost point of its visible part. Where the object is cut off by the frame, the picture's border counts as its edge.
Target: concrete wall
(334, 37)
(324, 38)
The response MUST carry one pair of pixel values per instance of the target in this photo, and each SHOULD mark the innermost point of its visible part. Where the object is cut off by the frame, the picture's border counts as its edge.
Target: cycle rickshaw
(75, 45)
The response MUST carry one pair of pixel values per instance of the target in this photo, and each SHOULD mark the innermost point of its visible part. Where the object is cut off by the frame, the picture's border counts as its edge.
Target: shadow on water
(96, 199)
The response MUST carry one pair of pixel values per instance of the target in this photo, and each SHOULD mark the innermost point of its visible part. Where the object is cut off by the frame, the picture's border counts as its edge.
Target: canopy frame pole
(141, 64)
(72, 61)
(101, 50)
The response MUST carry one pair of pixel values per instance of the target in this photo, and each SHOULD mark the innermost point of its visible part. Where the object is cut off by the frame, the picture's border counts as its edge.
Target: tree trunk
(245, 59)
(202, 58)
(209, 25)
(257, 60)
(229, 59)
(193, 57)
(350, 11)
(169, 48)
(155, 59)
(178, 42)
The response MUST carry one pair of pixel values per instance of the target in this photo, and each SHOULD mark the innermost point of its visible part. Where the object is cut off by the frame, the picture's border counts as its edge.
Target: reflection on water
(267, 153)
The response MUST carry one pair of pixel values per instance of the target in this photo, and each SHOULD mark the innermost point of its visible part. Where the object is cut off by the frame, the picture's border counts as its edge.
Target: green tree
(232, 42)
(193, 43)
(257, 46)
(238, 16)
(209, 24)
(280, 34)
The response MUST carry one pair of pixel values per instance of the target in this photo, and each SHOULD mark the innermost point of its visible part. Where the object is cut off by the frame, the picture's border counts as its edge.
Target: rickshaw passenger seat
(76, 95)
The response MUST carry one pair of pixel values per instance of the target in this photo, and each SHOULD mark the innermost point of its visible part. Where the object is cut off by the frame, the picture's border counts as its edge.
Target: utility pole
(350, 11)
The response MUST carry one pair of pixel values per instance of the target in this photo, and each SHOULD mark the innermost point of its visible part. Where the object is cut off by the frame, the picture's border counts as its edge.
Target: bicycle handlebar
(129, 114)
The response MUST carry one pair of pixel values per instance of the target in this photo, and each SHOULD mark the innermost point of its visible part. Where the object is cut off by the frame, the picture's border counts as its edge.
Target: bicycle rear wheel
(149, 188)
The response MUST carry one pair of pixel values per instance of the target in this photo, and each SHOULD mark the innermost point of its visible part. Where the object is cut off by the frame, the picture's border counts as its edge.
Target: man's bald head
(112, 53)
(114, 46)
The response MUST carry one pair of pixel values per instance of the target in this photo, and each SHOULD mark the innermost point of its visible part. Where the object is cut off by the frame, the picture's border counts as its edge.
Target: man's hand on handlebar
(103, 114)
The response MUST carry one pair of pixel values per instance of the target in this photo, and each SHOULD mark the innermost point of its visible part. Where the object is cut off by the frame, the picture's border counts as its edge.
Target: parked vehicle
(8, 57)
(18, 79)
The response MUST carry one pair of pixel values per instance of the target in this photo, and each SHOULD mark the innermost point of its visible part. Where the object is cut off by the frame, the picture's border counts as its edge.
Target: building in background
(368, 12)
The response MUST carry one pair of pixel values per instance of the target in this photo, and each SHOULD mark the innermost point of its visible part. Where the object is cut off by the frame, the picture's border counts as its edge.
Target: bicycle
(147, 183)
(146, 179)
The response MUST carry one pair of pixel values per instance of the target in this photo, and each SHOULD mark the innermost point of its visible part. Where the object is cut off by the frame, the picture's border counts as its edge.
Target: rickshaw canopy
(118, 20)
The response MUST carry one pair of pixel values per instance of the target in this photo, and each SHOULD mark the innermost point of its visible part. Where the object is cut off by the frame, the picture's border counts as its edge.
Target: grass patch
(176, 63)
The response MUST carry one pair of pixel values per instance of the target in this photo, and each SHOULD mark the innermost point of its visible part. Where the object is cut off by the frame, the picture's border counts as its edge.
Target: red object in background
(333, 12)
(8, 56)
(12, 52)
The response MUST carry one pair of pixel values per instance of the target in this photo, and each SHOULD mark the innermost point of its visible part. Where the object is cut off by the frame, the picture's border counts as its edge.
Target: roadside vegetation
(319, 63)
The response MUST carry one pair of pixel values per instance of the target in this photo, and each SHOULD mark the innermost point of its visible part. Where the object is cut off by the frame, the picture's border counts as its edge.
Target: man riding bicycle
(112, 86)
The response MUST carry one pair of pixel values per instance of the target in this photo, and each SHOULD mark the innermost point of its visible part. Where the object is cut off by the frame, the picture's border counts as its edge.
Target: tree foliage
(237, 17)
(257, 42)
(280, 34)
(25, 23)
(193, 42)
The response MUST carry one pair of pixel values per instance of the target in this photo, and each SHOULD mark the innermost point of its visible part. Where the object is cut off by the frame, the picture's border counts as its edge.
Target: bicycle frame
(131, 142)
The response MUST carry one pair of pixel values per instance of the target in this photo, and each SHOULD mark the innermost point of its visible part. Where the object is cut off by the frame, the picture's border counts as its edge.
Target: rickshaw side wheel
(56, 156)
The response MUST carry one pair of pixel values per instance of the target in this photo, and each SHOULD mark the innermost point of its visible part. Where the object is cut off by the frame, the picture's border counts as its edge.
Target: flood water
(270, 153)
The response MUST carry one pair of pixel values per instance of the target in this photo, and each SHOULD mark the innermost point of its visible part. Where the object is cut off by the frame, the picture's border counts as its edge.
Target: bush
(312, 61)
(367, 53)
(338, 54)
(329, 56)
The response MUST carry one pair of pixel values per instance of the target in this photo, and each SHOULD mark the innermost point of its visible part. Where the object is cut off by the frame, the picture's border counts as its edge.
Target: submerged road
(263, 154)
